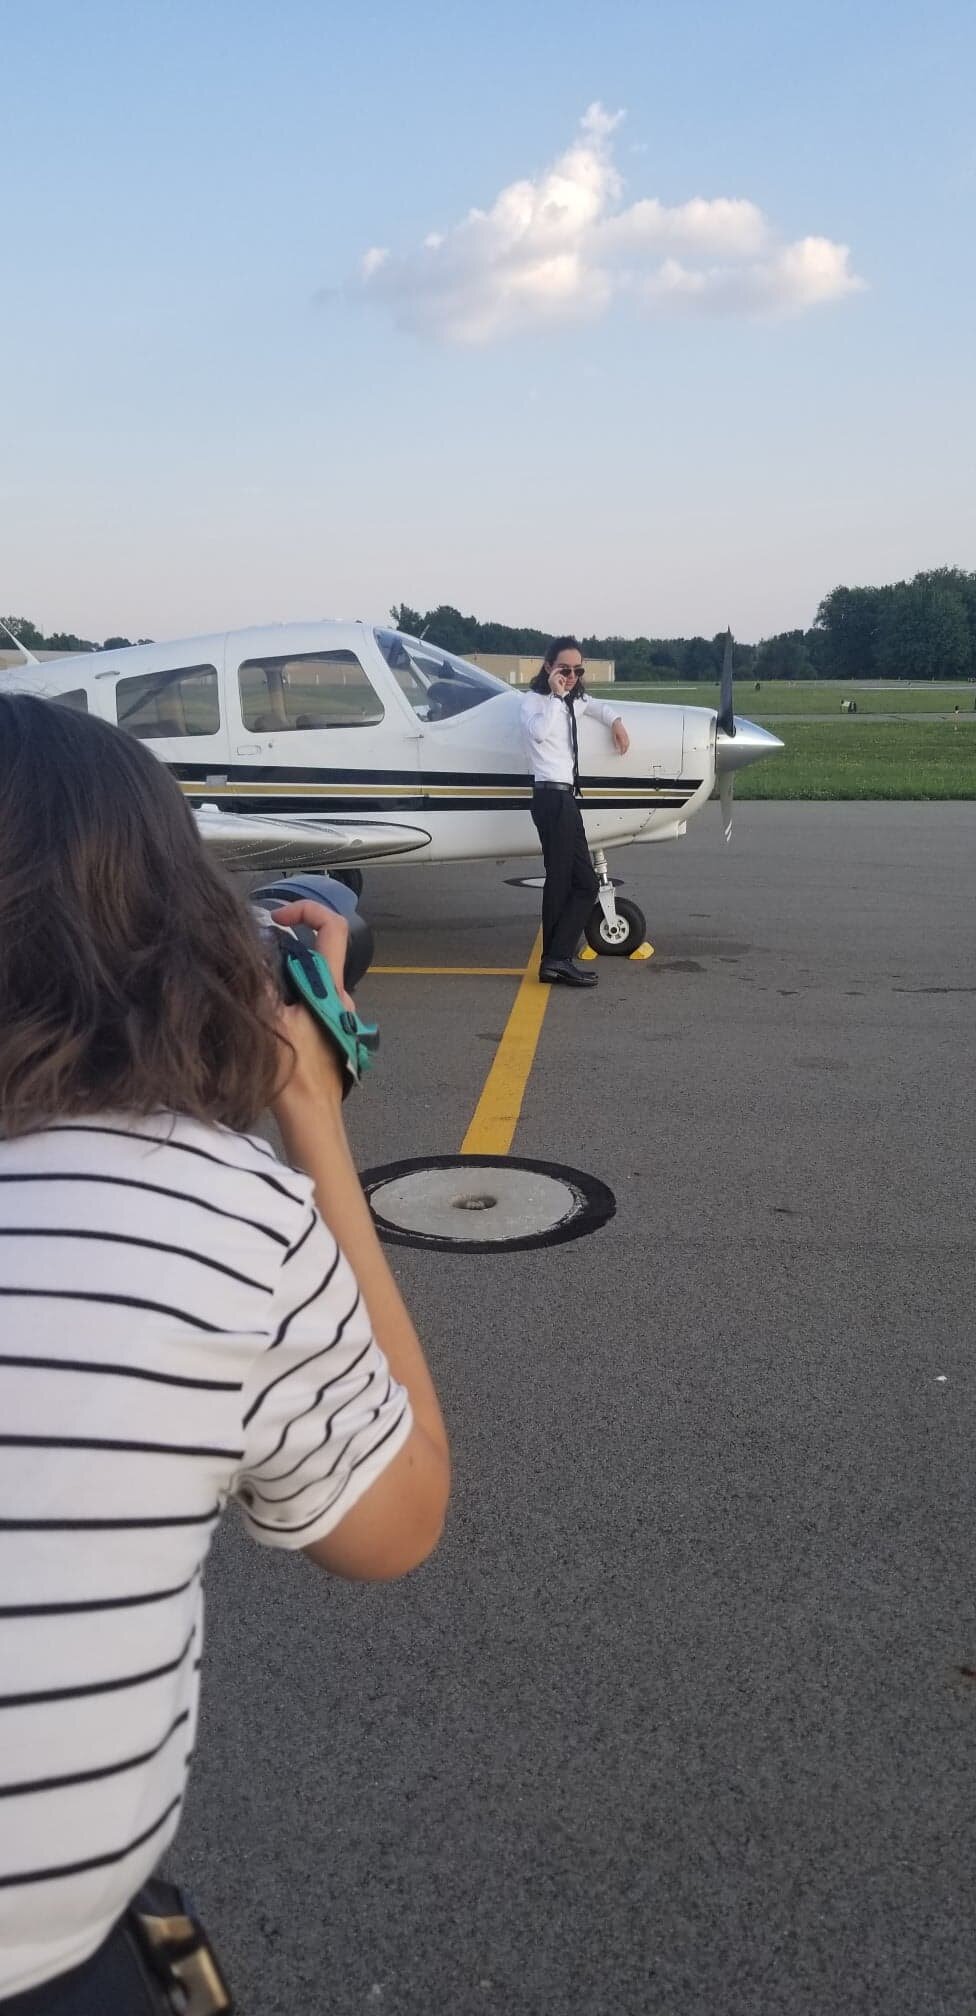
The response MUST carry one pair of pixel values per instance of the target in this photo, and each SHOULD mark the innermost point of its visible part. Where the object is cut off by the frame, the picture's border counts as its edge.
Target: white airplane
(329, 745)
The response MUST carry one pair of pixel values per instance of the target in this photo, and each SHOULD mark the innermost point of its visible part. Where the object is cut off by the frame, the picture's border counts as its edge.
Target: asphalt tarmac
(680, 1717)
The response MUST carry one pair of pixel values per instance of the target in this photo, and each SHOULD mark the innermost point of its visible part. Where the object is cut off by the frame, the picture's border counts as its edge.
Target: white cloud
(372, 260)
(791, 278)
(563, 248)
(725, 225)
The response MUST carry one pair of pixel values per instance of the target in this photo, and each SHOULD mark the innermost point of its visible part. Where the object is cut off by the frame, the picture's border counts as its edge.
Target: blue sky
(644, 422)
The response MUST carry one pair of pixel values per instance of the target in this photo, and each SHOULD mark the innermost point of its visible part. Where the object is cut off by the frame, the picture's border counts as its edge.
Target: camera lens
(335, 896)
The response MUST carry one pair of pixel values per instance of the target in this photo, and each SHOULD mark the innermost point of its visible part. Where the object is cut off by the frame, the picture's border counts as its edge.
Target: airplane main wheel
(351, 878)
(617, 940)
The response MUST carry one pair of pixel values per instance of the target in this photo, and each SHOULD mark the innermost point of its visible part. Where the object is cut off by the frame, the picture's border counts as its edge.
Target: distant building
(518, 671)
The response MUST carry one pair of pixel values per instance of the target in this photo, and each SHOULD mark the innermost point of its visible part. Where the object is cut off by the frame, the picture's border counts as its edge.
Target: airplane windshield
(436, 683)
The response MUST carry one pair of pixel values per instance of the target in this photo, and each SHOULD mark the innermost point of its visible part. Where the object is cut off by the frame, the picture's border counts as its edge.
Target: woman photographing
(550, 713)
(185, 1321)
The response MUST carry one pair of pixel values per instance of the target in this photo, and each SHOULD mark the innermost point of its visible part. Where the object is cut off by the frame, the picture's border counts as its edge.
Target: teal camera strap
(356, 1041)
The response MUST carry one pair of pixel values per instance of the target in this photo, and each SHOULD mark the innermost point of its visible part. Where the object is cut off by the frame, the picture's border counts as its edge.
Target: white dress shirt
(546, 733)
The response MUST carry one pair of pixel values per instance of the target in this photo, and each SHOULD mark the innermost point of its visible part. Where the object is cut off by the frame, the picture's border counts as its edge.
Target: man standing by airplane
(549, 727)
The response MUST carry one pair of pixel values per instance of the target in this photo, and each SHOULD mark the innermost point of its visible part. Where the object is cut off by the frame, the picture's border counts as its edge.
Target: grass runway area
(919, 748)
(780, 700)
(860, 759)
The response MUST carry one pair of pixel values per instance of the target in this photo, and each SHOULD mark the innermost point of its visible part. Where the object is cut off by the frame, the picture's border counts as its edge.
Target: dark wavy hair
(131, 974)
(540, 684)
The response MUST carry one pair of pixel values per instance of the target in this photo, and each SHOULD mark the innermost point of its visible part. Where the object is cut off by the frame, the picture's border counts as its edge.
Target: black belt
(551, 787)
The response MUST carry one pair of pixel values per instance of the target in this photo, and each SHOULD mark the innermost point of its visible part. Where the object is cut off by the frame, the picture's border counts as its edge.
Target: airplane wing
(265, 844)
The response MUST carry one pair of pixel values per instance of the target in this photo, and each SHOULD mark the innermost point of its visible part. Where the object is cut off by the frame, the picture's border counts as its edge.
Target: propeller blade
(726, 788)
(726, 715)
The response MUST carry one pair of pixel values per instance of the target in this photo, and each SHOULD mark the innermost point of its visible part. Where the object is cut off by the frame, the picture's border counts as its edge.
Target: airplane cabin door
(316, 729)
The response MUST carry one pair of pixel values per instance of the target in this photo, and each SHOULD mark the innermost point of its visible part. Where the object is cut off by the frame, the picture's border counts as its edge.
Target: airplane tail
(29, 655)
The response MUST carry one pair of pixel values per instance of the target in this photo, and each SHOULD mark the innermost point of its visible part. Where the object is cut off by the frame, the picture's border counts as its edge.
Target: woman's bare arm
(399, 1520)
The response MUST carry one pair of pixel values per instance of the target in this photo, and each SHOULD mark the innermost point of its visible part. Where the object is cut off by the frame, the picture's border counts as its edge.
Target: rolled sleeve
(322, 1414)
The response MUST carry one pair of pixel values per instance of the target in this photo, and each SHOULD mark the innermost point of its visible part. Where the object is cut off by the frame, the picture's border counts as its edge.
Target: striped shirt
(177, 1327)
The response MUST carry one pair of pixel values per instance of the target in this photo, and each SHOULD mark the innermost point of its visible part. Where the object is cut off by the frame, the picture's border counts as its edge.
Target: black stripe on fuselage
(278, 789)
(200, 774)
(346, 808)
(322, 805)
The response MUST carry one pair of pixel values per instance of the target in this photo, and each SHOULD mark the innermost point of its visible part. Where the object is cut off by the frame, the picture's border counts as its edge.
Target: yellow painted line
(496, 1114)
(467, 972)
(195, 789)
(496, 790)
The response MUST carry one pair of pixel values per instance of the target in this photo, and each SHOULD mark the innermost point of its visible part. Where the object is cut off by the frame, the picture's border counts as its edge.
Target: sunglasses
(570, 671)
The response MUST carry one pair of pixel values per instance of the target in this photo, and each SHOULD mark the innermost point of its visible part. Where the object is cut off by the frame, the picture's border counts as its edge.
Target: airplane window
(399, 661)
(317, 689)
(436, 683)
(77, 699)
(183, 700)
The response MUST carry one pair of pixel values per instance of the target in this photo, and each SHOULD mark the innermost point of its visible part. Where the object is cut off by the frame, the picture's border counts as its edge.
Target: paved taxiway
(678, 1720)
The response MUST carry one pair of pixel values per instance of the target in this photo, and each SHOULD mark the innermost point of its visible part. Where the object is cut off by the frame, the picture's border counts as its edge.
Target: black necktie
(574, 738)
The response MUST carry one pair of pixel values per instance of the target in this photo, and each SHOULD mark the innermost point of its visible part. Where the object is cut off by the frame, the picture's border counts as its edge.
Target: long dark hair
(131, 976)
(540, 684)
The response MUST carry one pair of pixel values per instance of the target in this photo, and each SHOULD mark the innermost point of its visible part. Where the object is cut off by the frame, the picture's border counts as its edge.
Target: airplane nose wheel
(620, 935)
(616, 928)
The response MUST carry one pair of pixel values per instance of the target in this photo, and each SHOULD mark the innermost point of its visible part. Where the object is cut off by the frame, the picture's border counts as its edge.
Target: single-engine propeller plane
(331, 745)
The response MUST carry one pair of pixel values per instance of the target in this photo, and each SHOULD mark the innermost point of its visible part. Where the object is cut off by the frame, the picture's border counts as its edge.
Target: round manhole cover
(484, 1203)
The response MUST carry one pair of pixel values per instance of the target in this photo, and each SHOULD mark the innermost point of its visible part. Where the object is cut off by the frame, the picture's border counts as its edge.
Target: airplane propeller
(726, 716)
(726, 792)
(737, 742)
(725, 725)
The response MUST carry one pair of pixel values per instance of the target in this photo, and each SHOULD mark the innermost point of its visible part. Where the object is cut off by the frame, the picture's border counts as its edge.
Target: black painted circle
(538, 881)
(595, 1203)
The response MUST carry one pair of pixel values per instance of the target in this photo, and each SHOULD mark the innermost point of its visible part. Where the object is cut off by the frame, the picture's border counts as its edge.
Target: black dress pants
(571, 880)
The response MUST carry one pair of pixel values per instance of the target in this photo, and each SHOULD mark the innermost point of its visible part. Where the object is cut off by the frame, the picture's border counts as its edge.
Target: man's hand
(558, 683)
(621, 739)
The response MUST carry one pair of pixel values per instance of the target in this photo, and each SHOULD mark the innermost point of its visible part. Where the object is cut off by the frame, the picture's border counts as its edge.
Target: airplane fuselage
(343, 725)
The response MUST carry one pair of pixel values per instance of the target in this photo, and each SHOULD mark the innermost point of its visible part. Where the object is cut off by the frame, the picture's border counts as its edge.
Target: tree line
(34, 639)
(919, 629)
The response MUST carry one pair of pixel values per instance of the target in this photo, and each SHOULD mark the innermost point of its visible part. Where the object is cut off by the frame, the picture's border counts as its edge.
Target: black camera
(303, 976)
(335, 896)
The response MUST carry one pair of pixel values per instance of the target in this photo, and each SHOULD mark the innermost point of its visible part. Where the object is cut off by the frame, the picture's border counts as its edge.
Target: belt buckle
(182, 1958)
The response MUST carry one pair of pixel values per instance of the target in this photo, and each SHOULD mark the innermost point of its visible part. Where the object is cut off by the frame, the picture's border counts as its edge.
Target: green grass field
(780, 700)
(863, 759)
(846, 755)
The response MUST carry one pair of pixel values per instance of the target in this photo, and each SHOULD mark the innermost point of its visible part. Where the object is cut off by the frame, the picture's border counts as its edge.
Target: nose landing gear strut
(616, 926)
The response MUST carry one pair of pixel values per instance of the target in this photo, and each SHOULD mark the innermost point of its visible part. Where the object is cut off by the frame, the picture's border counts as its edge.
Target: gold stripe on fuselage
(641, 794)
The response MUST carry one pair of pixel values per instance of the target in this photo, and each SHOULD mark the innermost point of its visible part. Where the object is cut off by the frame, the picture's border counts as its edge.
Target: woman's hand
(311, 1067)
(331, 937)
(558, 683)
(621, 739)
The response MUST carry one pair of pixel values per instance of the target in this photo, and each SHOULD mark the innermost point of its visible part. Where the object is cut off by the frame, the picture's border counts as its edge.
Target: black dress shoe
(565, 973)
